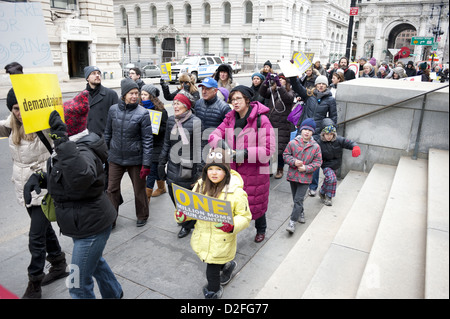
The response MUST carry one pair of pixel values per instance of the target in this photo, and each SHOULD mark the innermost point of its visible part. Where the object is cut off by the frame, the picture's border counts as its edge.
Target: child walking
(332, 147)
(215, 243)
(303, 156)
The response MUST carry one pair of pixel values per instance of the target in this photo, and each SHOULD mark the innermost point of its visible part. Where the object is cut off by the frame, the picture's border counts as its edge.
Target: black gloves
(34, 183)
(162, 172)
(58, 130)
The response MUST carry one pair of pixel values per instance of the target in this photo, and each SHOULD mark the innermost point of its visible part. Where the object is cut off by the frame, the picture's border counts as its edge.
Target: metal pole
(350, 33)
(129, 45)
(257, 37)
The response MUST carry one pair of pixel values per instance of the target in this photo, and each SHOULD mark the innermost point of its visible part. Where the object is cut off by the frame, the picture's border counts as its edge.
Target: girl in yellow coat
(215, 243)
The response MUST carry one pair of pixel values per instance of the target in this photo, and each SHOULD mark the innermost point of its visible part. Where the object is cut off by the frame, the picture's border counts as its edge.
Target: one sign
(37, 95)
(434, 47)
(355, 67)
(353, 11)
(155, 119)
(417, 78)
(309, 55)
(202, 207)
(166, 71)
(394, 51)
(422, 40)
(300, 65)
(23, 35)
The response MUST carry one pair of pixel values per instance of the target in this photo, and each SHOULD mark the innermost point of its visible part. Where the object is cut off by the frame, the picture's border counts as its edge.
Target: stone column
(360, 43)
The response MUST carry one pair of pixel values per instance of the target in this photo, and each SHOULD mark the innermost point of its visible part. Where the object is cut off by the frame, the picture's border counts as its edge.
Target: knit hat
(245, 90)
(76, 112)
(363, 58)
(268, 63)
(382, 69)
(225, 93)
(321, 79)
(218, 157)
(11, 99)
(150, 89)
(14, 68)
(373, 61)
(410, 63)
(262, 77)
(423, 66)
(127, 85)
(89, 69)
(308, 124)
(185, 98)
(329, 129)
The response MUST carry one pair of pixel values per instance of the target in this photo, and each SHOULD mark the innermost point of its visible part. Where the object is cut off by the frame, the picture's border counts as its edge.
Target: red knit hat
(75, 113)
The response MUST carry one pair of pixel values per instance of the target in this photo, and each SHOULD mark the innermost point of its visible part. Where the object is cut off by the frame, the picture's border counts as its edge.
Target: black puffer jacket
(278, 114)
(317, 106)
(158, 140)
(128, 135)
(211, 112)
(75, 179)
(174, 152)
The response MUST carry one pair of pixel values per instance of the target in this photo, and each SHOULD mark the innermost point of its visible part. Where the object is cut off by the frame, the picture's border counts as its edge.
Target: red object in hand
(225, 227)
(180, 216)
(356, 151)
(145, 171)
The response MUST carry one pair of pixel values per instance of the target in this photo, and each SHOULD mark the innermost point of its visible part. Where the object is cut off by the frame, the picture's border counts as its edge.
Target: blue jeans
(87, 262)
(315, 180)
(150, 183)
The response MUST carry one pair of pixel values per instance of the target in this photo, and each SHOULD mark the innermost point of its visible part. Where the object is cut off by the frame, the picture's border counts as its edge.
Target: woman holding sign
(216, 243)
(150, 100)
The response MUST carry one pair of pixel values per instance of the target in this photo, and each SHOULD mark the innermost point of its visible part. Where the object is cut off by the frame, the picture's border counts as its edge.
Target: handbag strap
(45, 141)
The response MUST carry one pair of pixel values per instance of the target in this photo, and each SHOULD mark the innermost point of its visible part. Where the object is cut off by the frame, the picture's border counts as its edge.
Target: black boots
(57, 269)
(33, 290)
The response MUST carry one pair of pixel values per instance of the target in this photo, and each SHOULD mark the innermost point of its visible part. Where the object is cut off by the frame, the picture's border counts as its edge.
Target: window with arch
(170, 14)
(207, 13)
(137, 12)
(123, 14)
(226, 13)
(154, 15)
(248, 12)
(188, 10)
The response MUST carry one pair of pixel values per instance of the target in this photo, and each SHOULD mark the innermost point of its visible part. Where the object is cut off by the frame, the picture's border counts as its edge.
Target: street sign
(422, 40)
(394, 51)
(353, 11)
(434, 47)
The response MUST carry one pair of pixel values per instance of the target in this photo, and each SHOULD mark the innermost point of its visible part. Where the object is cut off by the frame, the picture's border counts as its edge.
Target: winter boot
(149, 192)
(34, 290)
(279, 174)
(227, 271)
(57, 269)
(211, 294)
(161, 189)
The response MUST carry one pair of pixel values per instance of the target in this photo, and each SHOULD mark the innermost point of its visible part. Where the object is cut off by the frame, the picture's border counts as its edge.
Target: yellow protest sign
(198, 206)
(155, 119)
(166, 71)
(37, 95)
(301, 61)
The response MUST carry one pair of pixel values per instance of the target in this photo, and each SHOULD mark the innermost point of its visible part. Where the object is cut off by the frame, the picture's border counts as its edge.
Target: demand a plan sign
(198, 206)
(37, 95)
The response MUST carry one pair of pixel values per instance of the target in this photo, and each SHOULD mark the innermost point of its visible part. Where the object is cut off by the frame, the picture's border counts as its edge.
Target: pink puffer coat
(255, 169)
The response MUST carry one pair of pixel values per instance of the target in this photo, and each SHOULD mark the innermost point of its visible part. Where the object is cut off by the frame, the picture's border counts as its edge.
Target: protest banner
(300, 65)
(198, 206)
(155, 119)
(355, 67)
(166, 71)
(37, 95)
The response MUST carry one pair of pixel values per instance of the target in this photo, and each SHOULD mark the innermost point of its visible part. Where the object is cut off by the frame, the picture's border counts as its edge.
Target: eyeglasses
(237, 99)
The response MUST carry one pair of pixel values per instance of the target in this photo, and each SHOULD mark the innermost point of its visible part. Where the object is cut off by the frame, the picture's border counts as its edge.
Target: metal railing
(419, 129)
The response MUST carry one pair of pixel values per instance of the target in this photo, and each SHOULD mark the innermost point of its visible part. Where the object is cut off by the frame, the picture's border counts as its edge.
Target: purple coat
(255, 169)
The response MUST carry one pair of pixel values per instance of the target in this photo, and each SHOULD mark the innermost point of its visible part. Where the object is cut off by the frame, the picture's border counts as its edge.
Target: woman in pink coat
(249, 133)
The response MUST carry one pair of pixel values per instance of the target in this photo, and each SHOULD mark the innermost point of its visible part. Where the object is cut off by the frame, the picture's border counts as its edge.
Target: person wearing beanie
(303, 156)
(75, 180)
(252, 149)
(257, 80)
(14, 68)
(100, 100)
(181, 155)
(150, 101)
(373, 62)
(279, 99)
(381, 74)
(187, 83)
(332, 146)
(129, 137)
(215, 243)
(223, 94)
(362, 61)
(424, 72)
(410, 69)
(29, 155)
(224, 77)
(267, 68)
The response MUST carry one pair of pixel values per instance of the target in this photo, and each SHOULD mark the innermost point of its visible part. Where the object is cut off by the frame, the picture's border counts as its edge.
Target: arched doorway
(400, 36)
(168, 49)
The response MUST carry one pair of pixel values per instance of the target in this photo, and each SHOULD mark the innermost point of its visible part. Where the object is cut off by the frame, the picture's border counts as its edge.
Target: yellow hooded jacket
(212, 245)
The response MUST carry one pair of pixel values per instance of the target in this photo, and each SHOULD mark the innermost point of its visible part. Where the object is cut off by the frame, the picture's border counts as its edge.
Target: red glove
(180, 216)
(356, 151)
(225, 227)
(145, 171)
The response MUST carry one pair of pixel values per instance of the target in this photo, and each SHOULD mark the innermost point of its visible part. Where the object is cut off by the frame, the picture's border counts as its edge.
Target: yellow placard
(166, 71)
(155, 119)
(37, 95)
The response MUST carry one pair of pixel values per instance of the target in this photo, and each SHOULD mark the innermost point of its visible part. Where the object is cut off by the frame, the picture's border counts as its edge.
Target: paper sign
(300, 65)
(155, 119)
(166, 71)
(417, 78)
(202, 207)
(37, 95)
(355, 67)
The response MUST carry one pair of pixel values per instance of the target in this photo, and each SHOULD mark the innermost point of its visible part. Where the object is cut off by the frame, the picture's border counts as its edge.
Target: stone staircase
(389, 241)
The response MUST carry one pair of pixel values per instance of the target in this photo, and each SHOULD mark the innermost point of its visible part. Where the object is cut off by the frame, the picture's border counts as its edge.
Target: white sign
(394, 51)
(23, 35)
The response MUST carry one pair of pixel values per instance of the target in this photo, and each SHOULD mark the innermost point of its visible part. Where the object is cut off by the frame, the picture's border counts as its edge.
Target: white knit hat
(321, 79)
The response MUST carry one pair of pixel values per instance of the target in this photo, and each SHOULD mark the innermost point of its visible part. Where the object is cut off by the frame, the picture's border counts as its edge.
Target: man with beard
(349, 74)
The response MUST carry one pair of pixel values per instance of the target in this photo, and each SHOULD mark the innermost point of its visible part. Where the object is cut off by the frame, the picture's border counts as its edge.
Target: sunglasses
(182, 82)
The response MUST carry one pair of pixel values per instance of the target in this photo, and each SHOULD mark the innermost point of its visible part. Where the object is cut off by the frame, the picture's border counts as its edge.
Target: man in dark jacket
(75, 180)
(348, 73)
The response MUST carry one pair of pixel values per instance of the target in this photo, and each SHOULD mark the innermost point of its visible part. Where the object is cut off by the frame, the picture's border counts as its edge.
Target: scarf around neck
(179, 120)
